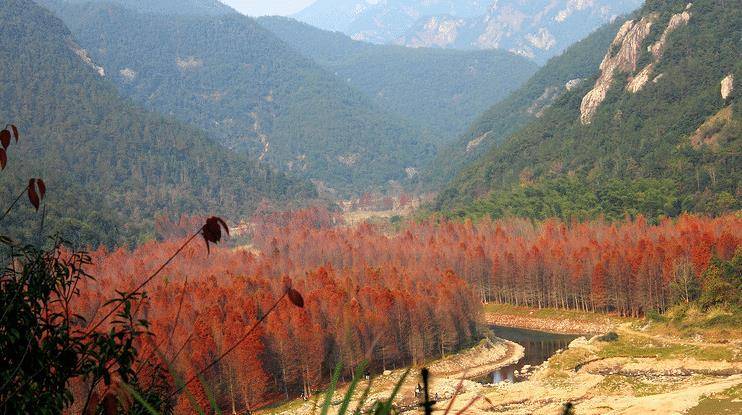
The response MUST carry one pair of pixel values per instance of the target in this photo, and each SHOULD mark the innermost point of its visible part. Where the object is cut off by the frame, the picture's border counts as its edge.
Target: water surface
(539, 347)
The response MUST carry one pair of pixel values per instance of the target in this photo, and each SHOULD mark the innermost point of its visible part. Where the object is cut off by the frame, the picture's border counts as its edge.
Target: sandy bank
(552, 325)
(447, 374)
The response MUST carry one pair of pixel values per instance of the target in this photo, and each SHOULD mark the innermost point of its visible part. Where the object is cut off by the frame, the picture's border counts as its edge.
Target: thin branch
(25, 189)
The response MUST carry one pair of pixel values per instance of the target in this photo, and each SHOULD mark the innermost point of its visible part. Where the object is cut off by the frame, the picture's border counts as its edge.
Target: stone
(727, 86)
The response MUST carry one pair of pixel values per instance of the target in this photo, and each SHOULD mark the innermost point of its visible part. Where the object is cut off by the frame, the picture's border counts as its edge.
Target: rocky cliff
(623, 57)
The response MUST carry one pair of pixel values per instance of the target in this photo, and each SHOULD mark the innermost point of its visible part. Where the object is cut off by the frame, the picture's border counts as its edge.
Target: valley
(536, 203)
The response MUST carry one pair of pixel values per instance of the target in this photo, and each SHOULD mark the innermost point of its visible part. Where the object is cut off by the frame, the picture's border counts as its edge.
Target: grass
(629, 345)
(620, 384)
(717, 324)
(727, 402)
(283, 407)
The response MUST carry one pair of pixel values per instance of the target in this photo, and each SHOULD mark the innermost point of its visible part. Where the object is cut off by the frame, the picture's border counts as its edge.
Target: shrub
(611, 336)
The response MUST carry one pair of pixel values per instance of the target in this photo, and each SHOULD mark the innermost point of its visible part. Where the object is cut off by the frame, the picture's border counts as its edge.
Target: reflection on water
(539, 347)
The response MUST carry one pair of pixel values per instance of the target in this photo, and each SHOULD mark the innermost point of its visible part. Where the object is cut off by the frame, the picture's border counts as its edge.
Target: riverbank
(644, 368)
(447, 375)
(551, 320)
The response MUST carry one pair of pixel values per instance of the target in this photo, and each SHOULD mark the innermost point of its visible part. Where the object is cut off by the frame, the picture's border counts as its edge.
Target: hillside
(255, 94)
(655, 130)
(441, 90)
(522, 106)
(110, 166)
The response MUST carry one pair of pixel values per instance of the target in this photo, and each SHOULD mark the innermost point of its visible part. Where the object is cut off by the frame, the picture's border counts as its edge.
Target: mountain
(187, 7)
(561, 74)
(441, 90)
(110, 166)
(381, 21)
(654, 130)
(253, 93)
(538, 29)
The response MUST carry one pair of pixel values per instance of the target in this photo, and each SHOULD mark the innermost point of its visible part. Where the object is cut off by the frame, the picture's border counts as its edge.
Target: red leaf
(15, 132)
(42, 188)
(3, 159)
(5, 138)
(295, 297)
(224, 224)
(33, 197)
(212, 231)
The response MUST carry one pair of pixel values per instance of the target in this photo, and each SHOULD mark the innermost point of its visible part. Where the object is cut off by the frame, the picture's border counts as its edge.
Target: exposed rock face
(189, 63)
(677, 20)
(636, 83)
(544, 101)
(83, 55)
(628, 41)
(438, 32)
(657, 49)
(128, 74)
(727, 86)
(538, 29)
(574, 83)
(471, 145)
(543, 40)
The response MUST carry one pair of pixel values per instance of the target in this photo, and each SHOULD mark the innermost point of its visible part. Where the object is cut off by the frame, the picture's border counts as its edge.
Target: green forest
(254, 95)
(522, 106)
(441, 90)
(643, 140)
(110, 166)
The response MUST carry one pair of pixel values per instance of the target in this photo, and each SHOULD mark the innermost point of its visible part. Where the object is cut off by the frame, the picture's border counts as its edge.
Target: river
(539, 347)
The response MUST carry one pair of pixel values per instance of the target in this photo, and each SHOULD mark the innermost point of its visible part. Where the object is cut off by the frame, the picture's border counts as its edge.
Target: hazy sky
(263, 7)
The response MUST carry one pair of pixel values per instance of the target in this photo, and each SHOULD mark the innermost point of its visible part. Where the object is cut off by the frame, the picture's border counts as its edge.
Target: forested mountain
(442, 90)
(188, 7)
(251, 91)
(655, 130)
(385, 20)
(538, 29)
(110, 166)
(524, 105)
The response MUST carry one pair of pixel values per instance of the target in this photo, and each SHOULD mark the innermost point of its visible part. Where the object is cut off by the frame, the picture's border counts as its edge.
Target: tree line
(394, 298)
